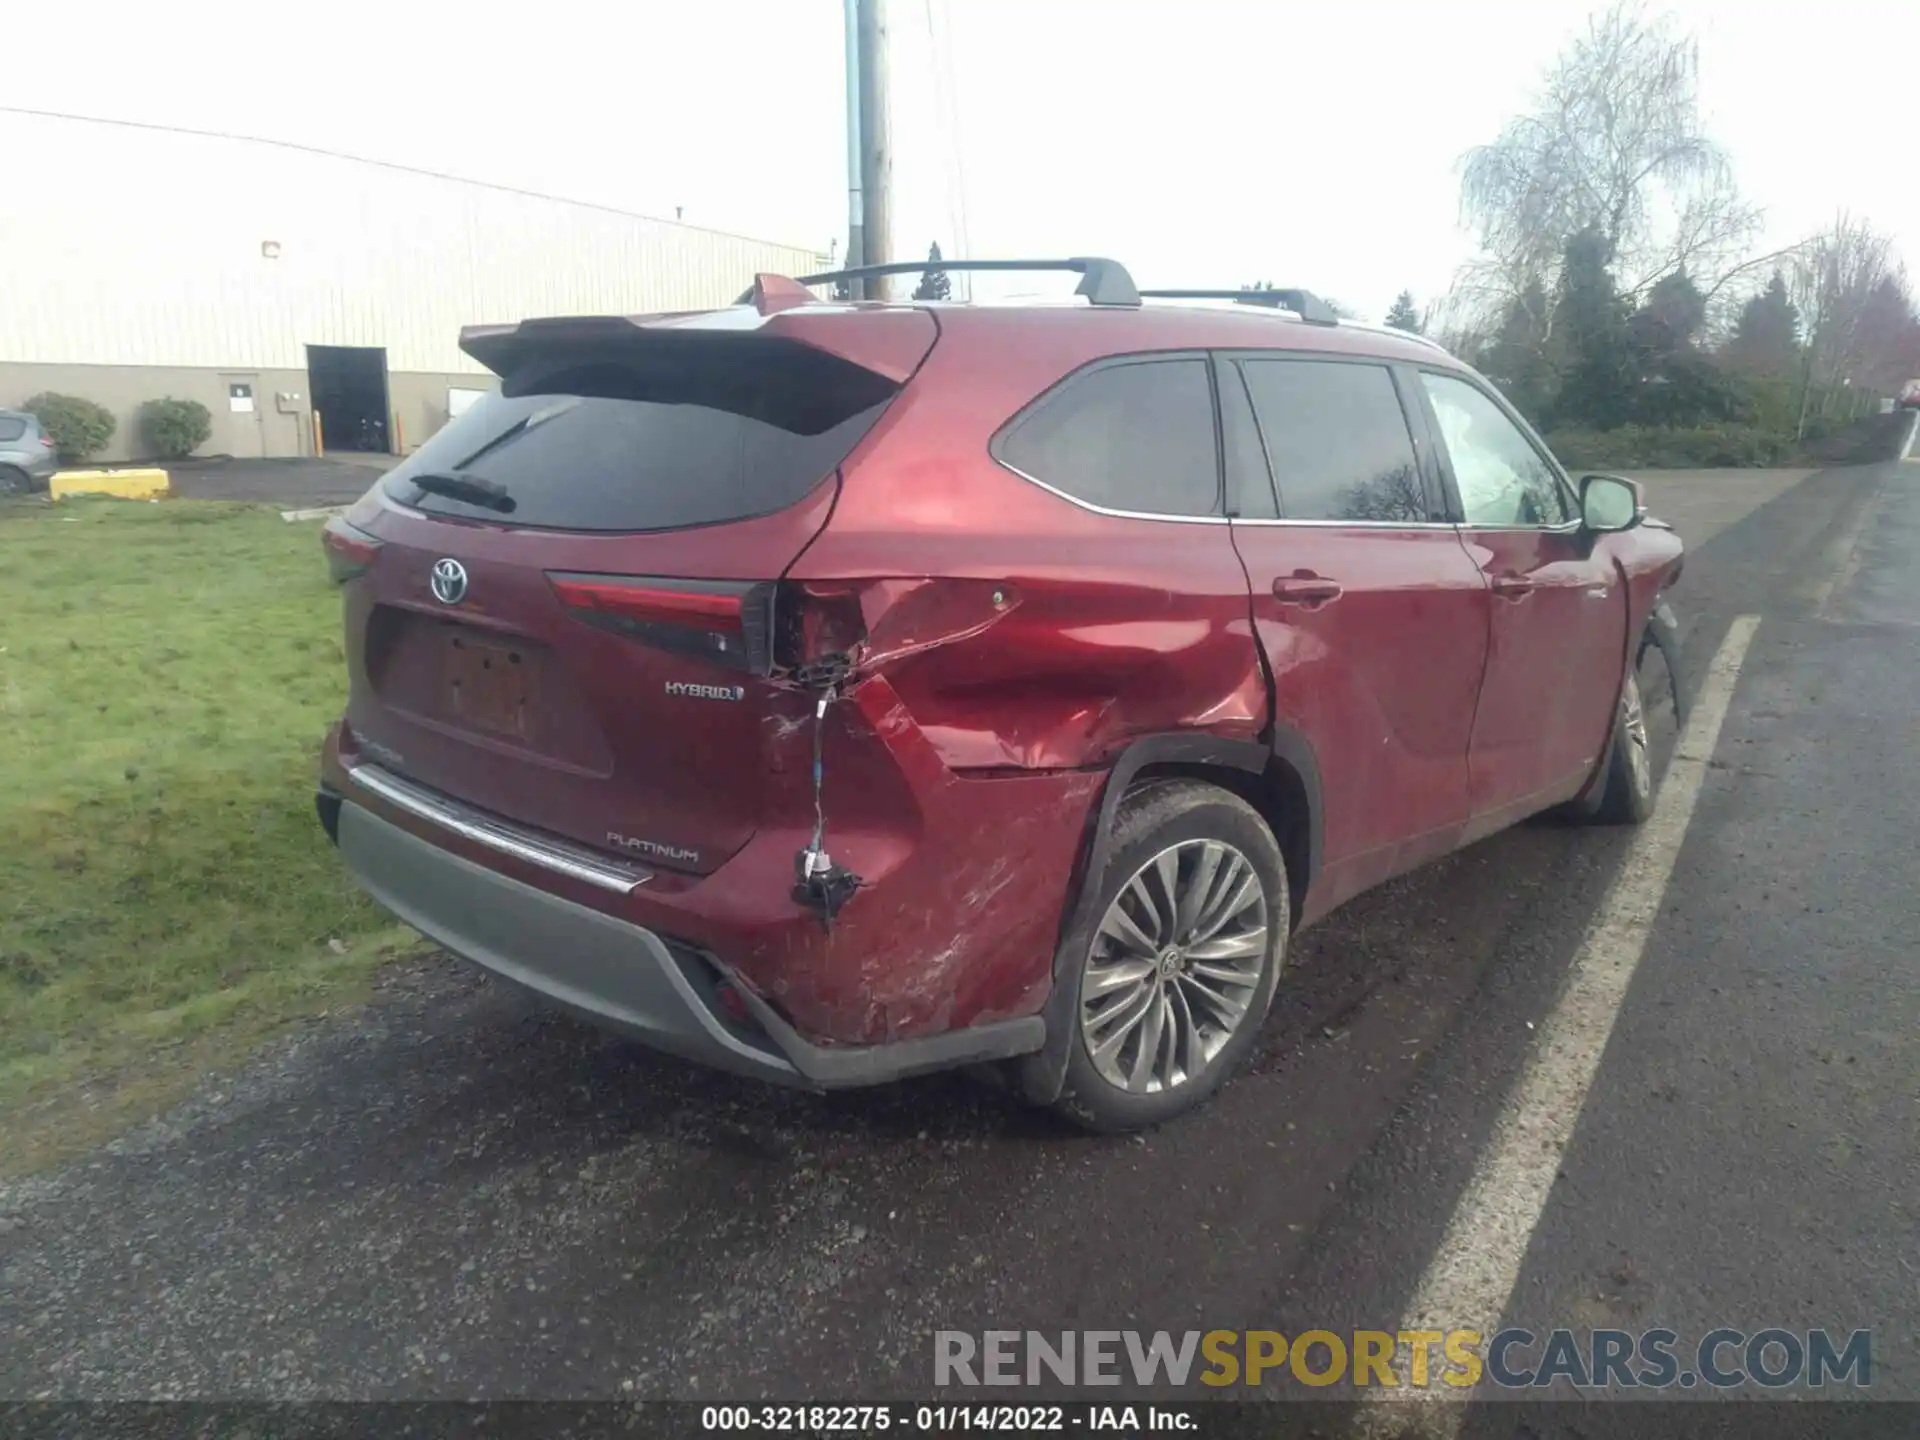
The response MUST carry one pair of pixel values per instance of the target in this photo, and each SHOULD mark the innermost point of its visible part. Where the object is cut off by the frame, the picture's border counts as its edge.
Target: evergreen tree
(1677, 383)
(1590, 327)
(1670, 319)
(1766, 338)
(934, 284)
(1403, 316)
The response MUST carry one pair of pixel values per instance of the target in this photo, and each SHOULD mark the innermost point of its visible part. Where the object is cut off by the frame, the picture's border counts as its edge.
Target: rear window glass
(1137, 437)
(12, 427)
(652, 442)
(1337, 440)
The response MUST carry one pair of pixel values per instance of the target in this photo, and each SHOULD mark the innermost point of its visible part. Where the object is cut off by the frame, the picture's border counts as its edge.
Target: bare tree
(1833, 283)
(1393, 496)
(1613, 143)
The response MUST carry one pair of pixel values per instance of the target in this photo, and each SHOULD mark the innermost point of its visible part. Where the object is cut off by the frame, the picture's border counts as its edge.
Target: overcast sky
(1305, 142)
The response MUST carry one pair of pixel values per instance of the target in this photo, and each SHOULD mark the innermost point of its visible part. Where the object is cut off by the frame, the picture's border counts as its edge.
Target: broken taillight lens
(724, 621)
(350, 550)
(868, 623)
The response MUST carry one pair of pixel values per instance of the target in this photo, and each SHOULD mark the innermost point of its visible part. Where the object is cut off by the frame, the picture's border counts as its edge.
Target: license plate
(488, 685)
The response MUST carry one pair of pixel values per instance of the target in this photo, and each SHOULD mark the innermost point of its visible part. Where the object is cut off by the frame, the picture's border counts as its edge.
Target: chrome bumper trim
(575, 862)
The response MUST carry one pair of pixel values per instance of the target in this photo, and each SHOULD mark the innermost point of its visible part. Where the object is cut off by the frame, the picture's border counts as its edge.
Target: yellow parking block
(126, 484)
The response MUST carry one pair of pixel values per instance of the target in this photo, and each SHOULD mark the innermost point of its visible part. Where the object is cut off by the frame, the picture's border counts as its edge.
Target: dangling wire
(819, 846)
(819, 884)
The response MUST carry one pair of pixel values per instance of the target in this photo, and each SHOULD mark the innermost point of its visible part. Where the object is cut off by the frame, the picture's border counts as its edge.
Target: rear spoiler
(889, 344)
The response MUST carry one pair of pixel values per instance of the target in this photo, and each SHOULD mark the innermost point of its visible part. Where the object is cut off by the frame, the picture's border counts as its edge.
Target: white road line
(1471, 1277)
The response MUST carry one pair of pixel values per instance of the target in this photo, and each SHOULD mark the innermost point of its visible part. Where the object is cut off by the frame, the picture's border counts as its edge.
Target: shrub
(174, 429)
(1644, 447)
(79, 428)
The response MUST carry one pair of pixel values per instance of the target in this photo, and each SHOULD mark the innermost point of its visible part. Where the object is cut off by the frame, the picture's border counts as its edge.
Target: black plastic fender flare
(1663, 631)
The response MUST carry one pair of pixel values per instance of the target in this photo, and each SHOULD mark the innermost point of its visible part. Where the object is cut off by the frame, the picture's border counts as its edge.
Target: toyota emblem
(449, 582)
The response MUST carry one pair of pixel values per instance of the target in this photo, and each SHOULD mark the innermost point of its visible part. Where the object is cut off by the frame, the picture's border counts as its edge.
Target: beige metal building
(316, 284)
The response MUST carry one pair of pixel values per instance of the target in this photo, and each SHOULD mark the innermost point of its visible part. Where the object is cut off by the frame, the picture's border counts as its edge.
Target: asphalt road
(450, 1193)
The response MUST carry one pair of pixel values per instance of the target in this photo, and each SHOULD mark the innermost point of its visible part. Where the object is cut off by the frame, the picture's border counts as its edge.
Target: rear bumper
(622, 975)
(954, 926)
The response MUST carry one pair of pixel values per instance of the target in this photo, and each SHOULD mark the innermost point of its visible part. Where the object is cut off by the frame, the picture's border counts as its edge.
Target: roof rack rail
(1309, 306)
(1103, 282)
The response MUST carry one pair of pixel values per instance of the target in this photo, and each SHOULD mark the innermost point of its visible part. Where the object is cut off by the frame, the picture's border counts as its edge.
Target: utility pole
(856, 217)
(871, 147)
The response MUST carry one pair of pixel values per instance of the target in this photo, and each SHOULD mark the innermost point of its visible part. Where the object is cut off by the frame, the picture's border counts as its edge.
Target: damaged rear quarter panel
(1115, 626)
(963, 881)
(963, 762)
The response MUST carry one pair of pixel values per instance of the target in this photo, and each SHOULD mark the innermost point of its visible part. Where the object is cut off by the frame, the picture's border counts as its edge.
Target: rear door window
(641, 443)
(1250, 492)
(1337, 441)
(1135, 436)
(12, 427)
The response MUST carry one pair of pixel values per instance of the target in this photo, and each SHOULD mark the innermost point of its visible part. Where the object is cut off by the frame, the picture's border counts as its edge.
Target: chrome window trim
(1088, 505)
(1357, 524)
(574, 861)
(1571, 527)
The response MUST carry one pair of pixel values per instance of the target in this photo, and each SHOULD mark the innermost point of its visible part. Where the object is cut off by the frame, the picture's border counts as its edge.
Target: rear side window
(1337, 441)
(1137, 436)
(648, 442)
(12, 427)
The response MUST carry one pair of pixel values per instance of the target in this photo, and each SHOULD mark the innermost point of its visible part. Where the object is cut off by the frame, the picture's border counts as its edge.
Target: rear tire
(14, 481)
(1175, 969)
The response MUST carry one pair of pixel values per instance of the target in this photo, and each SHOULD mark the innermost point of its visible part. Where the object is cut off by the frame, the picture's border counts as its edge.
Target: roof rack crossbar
(1103, 282)
(1309, 306)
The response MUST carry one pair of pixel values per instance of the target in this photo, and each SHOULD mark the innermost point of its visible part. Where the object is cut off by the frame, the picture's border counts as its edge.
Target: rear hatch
(559, 609)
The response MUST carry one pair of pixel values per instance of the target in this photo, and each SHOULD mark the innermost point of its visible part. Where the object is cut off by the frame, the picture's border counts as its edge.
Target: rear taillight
(648, 603)
(799, 630)
(868, 623)
(724, 621)
(349, 550)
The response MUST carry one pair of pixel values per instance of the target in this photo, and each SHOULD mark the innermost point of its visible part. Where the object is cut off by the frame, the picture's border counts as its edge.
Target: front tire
(1624, 794)
(1176, 968)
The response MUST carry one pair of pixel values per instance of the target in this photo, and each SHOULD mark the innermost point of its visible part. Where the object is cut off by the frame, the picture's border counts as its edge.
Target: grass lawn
(167, 672)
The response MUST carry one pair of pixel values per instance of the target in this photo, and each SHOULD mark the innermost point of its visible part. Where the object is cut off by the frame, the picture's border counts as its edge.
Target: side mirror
(1609, 504)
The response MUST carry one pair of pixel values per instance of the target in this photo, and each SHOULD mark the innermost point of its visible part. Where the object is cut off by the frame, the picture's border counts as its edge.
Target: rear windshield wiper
(521, 426)
(488, 494)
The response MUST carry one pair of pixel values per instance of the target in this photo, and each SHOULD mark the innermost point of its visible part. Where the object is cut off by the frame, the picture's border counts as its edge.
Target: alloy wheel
(1175, 966)
(1633, 724)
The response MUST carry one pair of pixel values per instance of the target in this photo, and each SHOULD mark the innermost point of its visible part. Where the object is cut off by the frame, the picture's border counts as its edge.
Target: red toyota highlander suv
(835, 692)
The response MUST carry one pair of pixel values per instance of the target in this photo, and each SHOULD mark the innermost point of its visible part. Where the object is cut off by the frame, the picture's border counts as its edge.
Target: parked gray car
(27, 460)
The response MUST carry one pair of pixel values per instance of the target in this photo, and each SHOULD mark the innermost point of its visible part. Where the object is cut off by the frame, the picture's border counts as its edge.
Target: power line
(947, 118)
(163, 129)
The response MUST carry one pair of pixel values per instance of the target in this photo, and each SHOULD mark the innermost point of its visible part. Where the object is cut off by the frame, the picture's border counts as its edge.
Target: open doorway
(348, 385)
